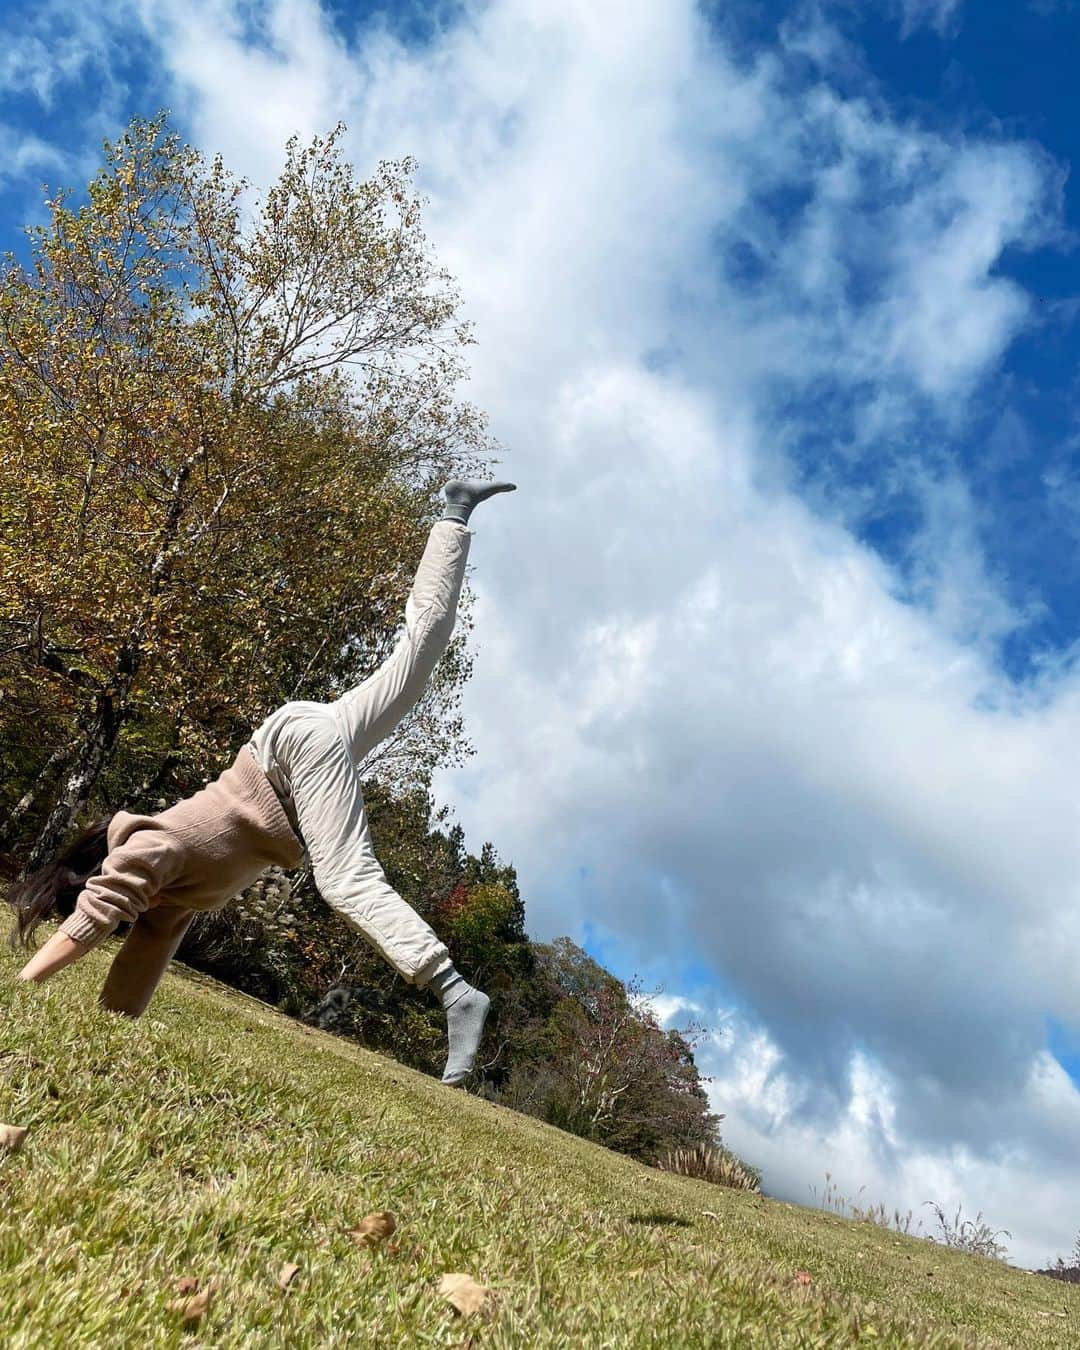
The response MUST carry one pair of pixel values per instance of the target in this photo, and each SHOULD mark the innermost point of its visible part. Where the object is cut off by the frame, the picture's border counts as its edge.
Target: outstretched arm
(58, 952)
(129, 883)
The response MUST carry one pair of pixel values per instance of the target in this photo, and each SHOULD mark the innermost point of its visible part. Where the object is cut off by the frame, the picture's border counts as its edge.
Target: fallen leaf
(373, 1228)
(803, 1277)
(287, 1274)
(191, 1309)
(187, 1284)
(463, 1294)
(11, 1137)
(709, 1214)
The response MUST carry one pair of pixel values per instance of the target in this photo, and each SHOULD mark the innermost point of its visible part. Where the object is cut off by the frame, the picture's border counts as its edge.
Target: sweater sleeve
(134, 872)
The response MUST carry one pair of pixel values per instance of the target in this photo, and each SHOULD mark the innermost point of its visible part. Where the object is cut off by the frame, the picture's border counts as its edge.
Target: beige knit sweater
(197, 854)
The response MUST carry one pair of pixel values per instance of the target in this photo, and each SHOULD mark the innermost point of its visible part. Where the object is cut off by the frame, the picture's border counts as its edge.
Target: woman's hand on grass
(58, 952)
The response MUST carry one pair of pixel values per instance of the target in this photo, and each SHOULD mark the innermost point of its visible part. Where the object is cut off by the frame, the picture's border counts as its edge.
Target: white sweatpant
(312, 750)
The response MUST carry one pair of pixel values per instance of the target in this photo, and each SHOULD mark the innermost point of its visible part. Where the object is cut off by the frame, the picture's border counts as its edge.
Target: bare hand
(59, 951)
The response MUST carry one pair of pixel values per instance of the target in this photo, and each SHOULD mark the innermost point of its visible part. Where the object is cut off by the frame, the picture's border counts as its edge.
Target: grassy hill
(217, 1140)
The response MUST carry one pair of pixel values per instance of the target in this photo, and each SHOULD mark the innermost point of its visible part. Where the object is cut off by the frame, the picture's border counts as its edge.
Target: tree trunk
(103, 724)
(101, 730)
(52, 765)
(154, 782)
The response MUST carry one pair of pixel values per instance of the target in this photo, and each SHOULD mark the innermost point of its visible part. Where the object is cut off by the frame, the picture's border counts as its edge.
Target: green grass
(215, 1138)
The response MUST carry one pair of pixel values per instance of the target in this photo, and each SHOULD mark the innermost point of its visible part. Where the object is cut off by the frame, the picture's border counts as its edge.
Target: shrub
(711, 1162)
(1060, 1271)
(970, 1236)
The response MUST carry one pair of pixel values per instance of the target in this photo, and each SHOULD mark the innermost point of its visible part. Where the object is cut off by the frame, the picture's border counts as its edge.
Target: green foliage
(222, 424)
(589, 1055)
(483, 930)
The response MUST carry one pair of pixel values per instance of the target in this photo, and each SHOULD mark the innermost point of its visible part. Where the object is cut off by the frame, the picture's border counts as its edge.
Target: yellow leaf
(191, 1309)
(373, 1228)
(11, 1138)
(463, 1293)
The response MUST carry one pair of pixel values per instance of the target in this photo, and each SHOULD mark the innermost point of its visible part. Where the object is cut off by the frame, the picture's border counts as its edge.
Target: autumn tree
(222, 424)
(591, 1057)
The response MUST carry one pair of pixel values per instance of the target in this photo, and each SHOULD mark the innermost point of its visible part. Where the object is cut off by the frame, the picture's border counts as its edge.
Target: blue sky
(776, 699)
(1004, 69)
(1001, 71)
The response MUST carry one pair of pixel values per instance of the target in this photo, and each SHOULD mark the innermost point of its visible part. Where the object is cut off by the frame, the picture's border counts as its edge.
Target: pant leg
(367, 713)
(330, 807)
(264, 746)
(138, 966)
(370, 711)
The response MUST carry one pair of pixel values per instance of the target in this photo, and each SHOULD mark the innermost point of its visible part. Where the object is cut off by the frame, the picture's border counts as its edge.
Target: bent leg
(333, 822)
(138, 966)
(330, 807)
(369, 712)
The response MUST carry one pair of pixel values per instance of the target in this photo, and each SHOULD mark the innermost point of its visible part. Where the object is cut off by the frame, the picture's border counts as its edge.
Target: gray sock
(463, 494)
(466, 1012)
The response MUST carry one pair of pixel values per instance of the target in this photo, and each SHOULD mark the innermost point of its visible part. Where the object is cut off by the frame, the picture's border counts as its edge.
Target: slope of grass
(215, 1138)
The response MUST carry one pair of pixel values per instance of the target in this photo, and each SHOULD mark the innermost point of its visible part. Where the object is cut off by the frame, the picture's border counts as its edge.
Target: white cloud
(55, 43)
(688, 683)
(23, 155)
(250, 79)
(30, 63)
(672, 1009)
(50, 51)
(869, 1161)
(940, 15)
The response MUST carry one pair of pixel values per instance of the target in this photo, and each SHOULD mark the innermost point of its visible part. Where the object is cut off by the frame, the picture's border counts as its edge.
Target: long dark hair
(56, 886)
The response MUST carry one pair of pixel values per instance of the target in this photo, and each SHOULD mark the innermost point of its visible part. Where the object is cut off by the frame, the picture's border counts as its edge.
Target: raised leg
(369, 712)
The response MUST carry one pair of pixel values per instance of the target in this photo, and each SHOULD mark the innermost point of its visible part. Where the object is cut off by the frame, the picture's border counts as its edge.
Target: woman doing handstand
(294, 787)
